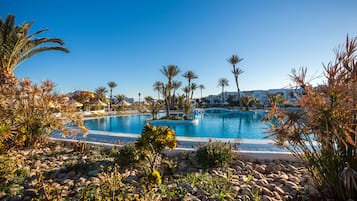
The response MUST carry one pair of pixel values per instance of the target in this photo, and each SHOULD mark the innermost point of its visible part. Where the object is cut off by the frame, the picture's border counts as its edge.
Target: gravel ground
(69, 171)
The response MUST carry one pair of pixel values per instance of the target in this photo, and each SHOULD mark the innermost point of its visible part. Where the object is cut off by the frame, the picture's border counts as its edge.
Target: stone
(277, 195)
(30, 192)
(261, 168)
(294, 179)
(266, 191)
(71, 174)
(284, 176)
(93, 173)
(15, 188)
(279, 190)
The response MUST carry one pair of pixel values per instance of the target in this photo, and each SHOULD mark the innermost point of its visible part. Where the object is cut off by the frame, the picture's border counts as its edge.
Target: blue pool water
(211, 124)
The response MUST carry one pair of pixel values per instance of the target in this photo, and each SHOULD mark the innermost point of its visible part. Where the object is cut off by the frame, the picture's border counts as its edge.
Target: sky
(129, 41)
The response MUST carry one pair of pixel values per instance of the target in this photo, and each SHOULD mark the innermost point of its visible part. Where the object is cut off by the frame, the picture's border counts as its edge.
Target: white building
(261, 95)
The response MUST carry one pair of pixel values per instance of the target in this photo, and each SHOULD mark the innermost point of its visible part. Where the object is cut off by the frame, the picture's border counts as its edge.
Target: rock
(291, 184)
(15, 188)
(284, 176)
(266, 191)
(71, 174)
(311, 190)
(36, 164)
(262, 182)
(261, 168)
(2, 194)
(190, 197)
(30, 192)
(267, 198)
(93, 173)
(279, 190)
(294, 179)
(68, 182)
(277, 195)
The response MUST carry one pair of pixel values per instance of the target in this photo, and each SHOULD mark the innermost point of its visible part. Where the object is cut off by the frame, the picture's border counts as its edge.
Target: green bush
(214, 154)
(127, 155)
(10, 173)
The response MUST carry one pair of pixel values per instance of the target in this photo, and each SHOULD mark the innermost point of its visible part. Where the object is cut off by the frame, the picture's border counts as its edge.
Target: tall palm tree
(175, 85)
(111, 86)
(169, 72)
(189, 75)
(186, 90)
(100, 93)
(201, 86)
(193, 89)
(234, 59)
(222, 83)
(159, 87)
(17, 45)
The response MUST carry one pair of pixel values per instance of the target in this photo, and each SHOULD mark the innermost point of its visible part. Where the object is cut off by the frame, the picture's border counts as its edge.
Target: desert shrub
(29, 113)
(151, 143)
(322, 133)
(214, 154)
(156, 139)
(10, 173)
(127, 155)
(213, 186)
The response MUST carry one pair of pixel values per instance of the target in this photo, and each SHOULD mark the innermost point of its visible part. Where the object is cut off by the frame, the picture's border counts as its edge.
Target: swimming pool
(211, 124)
(244, 129)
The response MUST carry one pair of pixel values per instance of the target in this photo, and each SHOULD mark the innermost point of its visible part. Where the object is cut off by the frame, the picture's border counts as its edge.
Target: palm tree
(120, 97)
(17, 45)
(159, 87)
(148, 99)
(175, 85)
(139, 94)
(193, 88)
(234, 59)
(275, 99)
(189, 75)
(111, 86)
(222, 83)
(247, 100)
(186, 90)
(201, 87)
(100, 93)
(169, 72)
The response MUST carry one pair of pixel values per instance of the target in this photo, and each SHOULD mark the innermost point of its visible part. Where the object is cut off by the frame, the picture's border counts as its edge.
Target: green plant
(214, 154)
(155, 109)
(172, 192)
(81, 147)
(322, 133)
(127, 155)
(155, 139)
(45, 190)
(216, 187)
(110, 187)
(10, 173)
(29, 113)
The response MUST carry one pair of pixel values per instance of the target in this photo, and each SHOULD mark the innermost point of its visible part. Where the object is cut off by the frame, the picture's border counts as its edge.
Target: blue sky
(129, 41)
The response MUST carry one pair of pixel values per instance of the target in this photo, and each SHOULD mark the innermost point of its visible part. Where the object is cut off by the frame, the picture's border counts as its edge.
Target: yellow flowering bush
(156, 139)
(156, 177)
